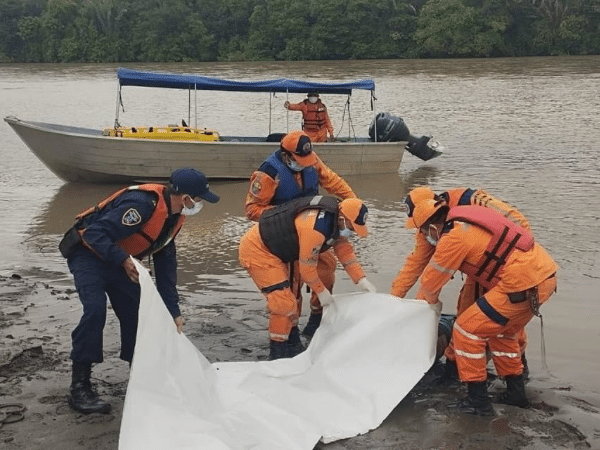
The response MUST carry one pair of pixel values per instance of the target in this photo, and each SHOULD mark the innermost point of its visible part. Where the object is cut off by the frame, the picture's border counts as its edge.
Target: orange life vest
(506, 237)
(142, 242)
(315, 117)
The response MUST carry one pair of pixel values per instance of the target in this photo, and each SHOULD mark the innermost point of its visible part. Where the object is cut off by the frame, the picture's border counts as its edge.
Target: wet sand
(35, 373)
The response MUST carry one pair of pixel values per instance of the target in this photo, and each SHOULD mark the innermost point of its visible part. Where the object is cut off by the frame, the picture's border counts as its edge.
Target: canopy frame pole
(196, 107)
(287, 112)
(118, 102)
(373, 100)
(270, 109)
(190, 104)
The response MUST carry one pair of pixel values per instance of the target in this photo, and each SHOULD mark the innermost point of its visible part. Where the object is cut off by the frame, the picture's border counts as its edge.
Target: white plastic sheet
(368, 353)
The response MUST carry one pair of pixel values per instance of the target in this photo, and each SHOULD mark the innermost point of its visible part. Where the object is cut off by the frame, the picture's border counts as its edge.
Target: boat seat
(275, 137)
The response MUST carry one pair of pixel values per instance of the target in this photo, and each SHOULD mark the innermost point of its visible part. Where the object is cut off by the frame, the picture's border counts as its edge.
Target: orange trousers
(468, 295)
(326, 270)
(317, 136)
(272, 277)
(474, 331)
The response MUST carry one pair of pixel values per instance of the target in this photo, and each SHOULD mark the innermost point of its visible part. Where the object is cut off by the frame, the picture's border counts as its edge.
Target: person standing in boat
(423, 250)
(134, 222)
(518, 276)
(315, 118)
(293, 235)
(294, 171)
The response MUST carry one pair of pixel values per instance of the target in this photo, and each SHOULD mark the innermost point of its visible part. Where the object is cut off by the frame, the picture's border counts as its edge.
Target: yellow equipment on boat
(170, 132)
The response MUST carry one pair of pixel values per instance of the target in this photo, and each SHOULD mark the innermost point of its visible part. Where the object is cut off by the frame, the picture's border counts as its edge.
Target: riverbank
(37, 316)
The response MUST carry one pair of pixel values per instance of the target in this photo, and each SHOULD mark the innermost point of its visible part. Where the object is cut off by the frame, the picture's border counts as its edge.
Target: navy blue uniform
(100, 274)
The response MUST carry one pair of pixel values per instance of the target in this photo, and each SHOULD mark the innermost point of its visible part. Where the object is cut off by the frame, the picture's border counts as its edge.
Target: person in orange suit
(315, 118)
(291, 172)
(518, 276)
(291, 237)
(423, 250)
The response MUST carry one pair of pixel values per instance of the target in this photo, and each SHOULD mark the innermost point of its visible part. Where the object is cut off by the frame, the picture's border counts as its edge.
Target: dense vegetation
(238, 30)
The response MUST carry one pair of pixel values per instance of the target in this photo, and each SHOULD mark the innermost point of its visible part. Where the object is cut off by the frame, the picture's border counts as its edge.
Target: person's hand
(325, 297)
(437, 307)
(330, 139)
(286, 104)
(366, 285)
(131, 270)
(179, 321)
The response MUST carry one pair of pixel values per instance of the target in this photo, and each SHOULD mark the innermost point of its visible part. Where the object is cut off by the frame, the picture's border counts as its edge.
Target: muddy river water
(526, 130)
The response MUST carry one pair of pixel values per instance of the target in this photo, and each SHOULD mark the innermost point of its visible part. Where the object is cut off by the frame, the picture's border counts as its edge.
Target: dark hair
(438, 217)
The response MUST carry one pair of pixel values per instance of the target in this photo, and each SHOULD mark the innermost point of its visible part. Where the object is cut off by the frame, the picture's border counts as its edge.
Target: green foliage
(234, 30)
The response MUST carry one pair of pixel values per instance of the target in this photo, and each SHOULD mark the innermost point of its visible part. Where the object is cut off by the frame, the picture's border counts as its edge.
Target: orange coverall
(423, 251)
(259, 198)
(268, 271)
(474, 329)
(310, 114)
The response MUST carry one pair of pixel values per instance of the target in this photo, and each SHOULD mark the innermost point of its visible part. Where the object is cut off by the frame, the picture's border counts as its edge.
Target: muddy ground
(36, 319)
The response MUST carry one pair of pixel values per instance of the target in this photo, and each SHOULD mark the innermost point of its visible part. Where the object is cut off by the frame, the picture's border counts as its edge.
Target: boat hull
(86, 156)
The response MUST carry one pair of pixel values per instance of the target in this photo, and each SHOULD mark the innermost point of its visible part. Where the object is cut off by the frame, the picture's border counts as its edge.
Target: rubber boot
(515, 392)
(81, 397)
(314, 320)
(450, 375)
(477, 402)
(278, 350)
(295, 346)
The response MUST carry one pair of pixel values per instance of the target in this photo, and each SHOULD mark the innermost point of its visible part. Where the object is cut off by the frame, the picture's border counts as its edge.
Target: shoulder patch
(131, 217)
(256, 188)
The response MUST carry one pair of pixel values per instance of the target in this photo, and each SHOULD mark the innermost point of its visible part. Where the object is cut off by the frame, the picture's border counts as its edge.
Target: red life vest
(506, 237)
(141, 241)
(315, 117)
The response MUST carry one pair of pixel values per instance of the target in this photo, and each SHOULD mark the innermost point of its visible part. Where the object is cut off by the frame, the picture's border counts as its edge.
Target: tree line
(254, 30)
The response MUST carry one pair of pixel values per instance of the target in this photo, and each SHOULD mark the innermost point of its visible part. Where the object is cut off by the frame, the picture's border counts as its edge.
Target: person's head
(313, 96)
(297, 150)
(353, 216)
(429, 217)
(415, 196)
(189, 188)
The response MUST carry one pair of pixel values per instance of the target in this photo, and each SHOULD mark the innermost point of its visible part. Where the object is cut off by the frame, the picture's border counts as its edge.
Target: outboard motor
(393, 129)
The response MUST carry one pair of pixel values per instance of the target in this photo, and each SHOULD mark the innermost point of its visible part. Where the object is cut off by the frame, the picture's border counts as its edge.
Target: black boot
(477, 402)
(295, 346)
(314, 320)
(278, 350)
(450, 375)
(515, 392)
(81, 397)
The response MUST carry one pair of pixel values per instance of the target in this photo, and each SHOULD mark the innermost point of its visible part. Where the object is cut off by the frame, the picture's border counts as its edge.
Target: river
(526, 130)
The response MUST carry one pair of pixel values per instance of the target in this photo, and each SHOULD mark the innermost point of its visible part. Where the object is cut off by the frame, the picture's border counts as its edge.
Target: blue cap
(192, 182)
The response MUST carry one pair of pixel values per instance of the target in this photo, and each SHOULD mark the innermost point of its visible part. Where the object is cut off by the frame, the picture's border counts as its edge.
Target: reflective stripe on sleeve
(441, 268)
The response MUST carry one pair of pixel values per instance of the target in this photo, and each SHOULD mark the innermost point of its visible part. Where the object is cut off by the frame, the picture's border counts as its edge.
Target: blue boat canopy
(128, 77)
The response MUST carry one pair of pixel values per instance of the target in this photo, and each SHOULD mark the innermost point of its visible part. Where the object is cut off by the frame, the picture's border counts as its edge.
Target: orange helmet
(298, 144)
(424, 210)
(356, 212)
(415, 196)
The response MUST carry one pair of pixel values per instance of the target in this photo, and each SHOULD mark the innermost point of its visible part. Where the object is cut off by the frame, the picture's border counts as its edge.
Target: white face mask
(313, 99)
(430, 239)
(194, 209)
(294, 165)
(345, 232)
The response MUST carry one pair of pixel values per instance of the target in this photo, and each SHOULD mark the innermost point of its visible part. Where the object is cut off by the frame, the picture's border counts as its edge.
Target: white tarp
(368, 353)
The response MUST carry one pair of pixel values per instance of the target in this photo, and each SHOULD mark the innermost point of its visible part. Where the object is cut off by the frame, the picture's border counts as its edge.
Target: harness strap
(489, 311)
(502, 260)
(276, 287)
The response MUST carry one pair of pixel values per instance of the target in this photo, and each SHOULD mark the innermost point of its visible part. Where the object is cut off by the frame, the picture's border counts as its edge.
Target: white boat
(125, 155)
